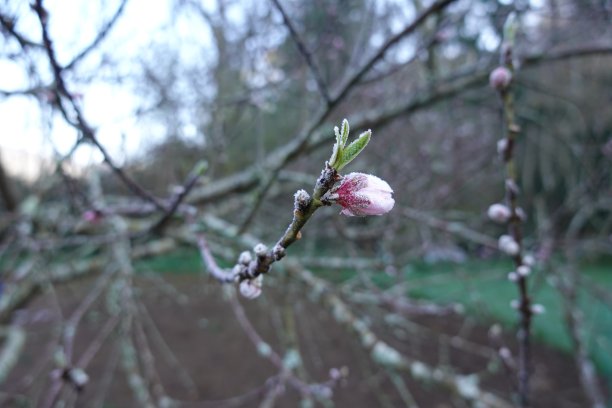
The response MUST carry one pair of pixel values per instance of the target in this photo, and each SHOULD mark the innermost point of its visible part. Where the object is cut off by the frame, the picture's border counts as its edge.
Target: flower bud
(92, 216)
(528, 260)
(502, 146)
(245, 258)
(251, 288)
(521, 214)
(499, 213)
(508, 245)
(538, 309)
(260, 250)
(523, 270)
(302, 200)
(78, 377)
(512, 277)
(505, 353)
(363, 194)
(500, 78)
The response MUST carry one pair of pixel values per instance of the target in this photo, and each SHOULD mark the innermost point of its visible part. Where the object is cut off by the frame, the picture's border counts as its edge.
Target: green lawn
(482, 287)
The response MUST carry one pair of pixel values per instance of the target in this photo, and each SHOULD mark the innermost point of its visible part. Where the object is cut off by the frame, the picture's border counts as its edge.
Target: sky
(26, 131)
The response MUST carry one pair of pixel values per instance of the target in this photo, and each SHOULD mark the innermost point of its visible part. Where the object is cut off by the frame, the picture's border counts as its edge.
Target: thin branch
(449, 226)
(315, 138)
(511, 131)
(305, 53)
(6, 191)
(351, 80)
(189, 184)
(81, 124)
(387, 357)
(99, 38)
(8, 25)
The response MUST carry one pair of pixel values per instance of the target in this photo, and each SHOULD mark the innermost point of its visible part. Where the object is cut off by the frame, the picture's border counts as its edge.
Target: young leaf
(344, 132)
(337, 147)
(338, 136)
(351, 151)
(334, 157)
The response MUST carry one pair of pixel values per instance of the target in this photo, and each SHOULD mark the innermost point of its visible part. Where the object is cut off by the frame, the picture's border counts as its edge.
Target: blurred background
(110, 109)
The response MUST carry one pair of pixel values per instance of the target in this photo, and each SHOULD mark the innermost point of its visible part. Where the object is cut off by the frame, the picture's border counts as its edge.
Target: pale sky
(107, 106)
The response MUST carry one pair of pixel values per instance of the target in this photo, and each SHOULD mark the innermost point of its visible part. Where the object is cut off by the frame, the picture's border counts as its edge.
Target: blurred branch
(185, 189)
(305, 53)
(8, 26)
(511, 131)
(99, 38)
(81, 124)
(316, 138)
(568, 284)
(14, 297)
(452, 227)
(464, 386)
(14, 339)
(582, 51)
(6, 191)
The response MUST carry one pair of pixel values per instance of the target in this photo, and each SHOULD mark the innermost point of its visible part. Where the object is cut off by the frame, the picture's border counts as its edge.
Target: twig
(97, 343)
(99, 38)
(465, 386)
(8, 24)
(305, 53)
(189, 184)
(304, 207)
(81, 124)
(511, 130)
(450, 226)
(445, 88)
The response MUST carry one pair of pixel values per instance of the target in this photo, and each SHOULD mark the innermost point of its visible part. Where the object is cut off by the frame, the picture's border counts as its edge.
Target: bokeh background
(107, 107)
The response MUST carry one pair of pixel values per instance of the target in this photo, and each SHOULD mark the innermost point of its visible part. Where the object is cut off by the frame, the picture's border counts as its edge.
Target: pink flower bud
(363, 194)
(500, 78)
(92, 216)
(499, 213)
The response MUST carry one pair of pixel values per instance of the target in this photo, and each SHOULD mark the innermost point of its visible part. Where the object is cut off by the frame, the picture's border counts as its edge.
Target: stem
(512, 131)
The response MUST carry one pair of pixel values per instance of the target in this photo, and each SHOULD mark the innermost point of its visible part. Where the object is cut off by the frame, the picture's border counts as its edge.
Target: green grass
(486, 293)
(482, 287)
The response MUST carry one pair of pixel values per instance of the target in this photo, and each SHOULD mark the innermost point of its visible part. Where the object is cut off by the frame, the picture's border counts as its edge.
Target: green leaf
(351, 151)
(510, 28)
(338, 136)
(334, 157)
(345, 132)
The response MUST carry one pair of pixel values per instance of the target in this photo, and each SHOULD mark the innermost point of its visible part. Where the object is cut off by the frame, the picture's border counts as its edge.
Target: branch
(305, 53)
(387, 357)
(99, 38)
(189, 184)
(470, 78)
(81, 124)
(8, 25)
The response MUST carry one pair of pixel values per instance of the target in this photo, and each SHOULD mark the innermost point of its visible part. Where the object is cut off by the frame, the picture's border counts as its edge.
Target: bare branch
(305, 53)
(99, 38)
